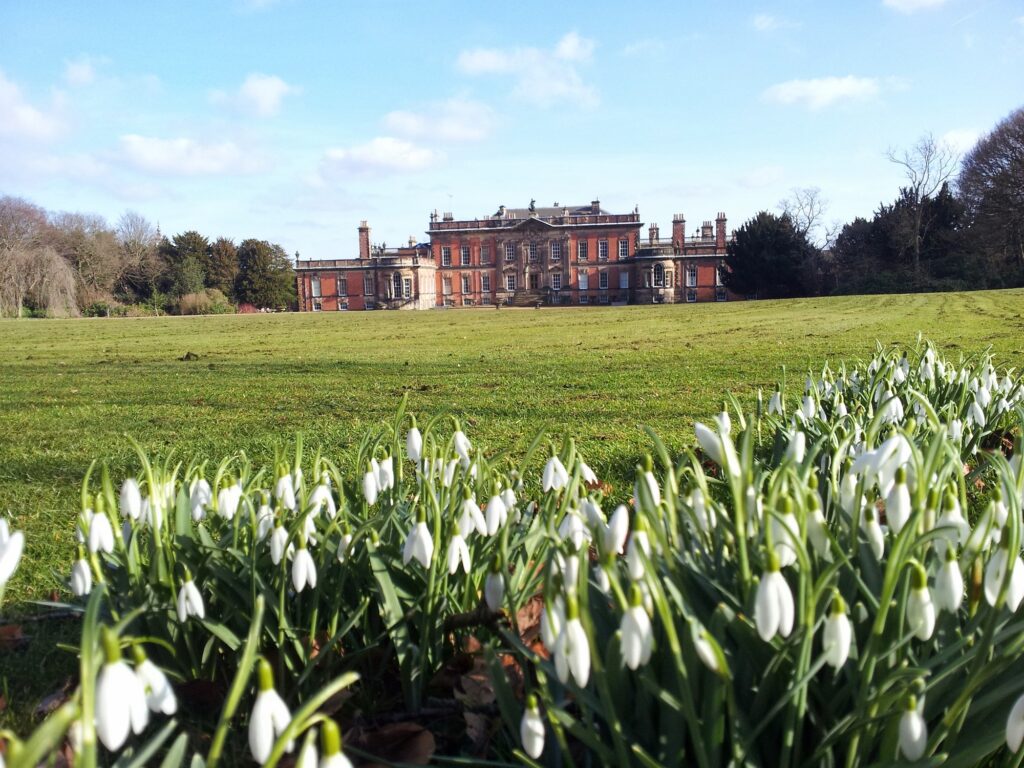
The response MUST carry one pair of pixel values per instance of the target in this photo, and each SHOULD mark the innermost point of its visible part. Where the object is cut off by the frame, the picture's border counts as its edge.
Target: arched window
(659, 275)
(396, 281)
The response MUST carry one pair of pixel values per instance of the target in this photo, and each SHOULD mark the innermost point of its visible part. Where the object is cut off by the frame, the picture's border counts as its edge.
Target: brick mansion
(525, 257)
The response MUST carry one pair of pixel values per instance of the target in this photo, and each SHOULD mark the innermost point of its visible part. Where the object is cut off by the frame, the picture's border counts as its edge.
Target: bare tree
(38, 276)
(806, 208)
(92, 249)
(137, 240)
(927, 166)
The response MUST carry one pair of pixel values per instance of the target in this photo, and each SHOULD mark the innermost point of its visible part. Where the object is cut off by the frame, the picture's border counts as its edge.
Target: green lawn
(70, 390)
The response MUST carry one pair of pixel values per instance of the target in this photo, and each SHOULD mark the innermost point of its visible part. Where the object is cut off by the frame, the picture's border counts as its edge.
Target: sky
(293, 120)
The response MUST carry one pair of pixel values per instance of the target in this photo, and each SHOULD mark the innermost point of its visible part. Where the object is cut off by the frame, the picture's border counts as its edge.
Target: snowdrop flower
(646, 477)
(552, 619)
(555, 478)
(587, 474)
(307, 757)
(130, 500)
(707, 649)
(228, 500)
(614, 536)
(956, 529)
(278, 542)
(723, 422)
(638, 543)
(773, 604)
(120, 697)
(81, 578)
(704, 513)
(569, 568)
(817, 528)
(264, 521)
(975, 415)
(330, 744)
(494, 587)
(321, 498)
(462, 447)
(573, 528)
(637, 633)
(848, 493)
(785, 534)
(370, 487)
(386, 473)
(531, 729)
(572, 649)
(508, 497)
(497, 514)
(101, 535)
(920, 609)
(284, 491)
(270, 716)
(159, 693)
(472, 518)
(344, 543)
(303, 568)
(458, 553)
(807, 407)
(419, 544)
(955, 430)
(11, 546)
(797, 448)
(593, 514)
(837, 634)
(719, 449)
(949, 584)
(892, 410)
(897, 503)
(913, 732)
(199, 498)
(872, 531)
(775, 403)
(995, 574)
(190, 600)
(983, 396)
(414, 443)
(1015, 726)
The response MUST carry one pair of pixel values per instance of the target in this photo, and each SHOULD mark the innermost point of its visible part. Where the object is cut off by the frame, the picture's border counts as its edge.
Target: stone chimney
(706, 230)
(678, 230)
(720, 231)
(652, 234)
(595, 206)
(412, 241)
(364, 240)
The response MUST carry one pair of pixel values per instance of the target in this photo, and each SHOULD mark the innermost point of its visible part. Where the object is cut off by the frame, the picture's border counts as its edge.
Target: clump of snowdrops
(831, 579)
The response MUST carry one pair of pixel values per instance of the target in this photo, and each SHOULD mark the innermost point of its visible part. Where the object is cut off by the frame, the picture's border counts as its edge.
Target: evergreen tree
(265, 275)
(222, 268)
(769, 258)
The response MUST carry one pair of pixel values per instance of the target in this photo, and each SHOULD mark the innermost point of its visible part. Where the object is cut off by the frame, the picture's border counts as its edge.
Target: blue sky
(291, 120)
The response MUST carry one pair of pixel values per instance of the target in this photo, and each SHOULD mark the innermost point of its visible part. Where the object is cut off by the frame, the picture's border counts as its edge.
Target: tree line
(956, 224)
(68, 264)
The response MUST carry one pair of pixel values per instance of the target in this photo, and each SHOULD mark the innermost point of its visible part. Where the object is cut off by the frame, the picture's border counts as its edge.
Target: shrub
(208, 302)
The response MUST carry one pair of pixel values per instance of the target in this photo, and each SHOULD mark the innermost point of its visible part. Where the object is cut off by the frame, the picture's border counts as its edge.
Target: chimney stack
(595, 206)
(678, 230)
(706, 231)
(364, 240)
(652, 234)
(720, 232)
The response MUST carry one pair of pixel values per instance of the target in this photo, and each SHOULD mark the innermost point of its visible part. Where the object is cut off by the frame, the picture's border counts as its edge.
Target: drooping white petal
(531, 733)
(494, 590)
(836, 638)
(913, 735)
(1015, 726)
(637, 637)
(414, 444)
(130, 500)
(81, 578)
(921, 613)
(617, 530)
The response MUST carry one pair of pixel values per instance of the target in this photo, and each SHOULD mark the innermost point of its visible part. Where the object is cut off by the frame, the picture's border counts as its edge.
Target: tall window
(407, 288)
(314, 285)
(581, 250)
(556, 282)
(534, 280)
(343, 286)
(602, 281)
(485, 254)
(720, 275)
(691, 276)
(659, 276)
(583, 280)
(720, 294)
(623, 279)
(556, 251)
(464, 255)
(532, 250)
(510, 282)
(602, 250)
(368, 285)
(623, 248)
(446, 256)
(485, 283)
(465, 283)
(446, 286)
(396, 282)
(510, 251)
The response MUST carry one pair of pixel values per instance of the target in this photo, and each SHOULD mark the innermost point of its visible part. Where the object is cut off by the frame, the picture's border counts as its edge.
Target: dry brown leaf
(408, 743)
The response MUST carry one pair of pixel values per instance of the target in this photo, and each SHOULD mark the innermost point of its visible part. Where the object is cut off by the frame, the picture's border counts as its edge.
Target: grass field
(71, 390)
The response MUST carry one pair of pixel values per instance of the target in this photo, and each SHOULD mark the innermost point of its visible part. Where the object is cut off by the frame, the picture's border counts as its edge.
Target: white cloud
(384, 154)
(259, 95)
(820, 92)
(456, 120)
(911, 6)
(19, 119)
(649, 46)
(765, 22)
(186, 157)
(960, 140)
(543, 77)
(80, 71)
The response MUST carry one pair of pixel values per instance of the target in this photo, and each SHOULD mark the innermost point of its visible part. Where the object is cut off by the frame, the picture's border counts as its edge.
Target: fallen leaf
(408, 743)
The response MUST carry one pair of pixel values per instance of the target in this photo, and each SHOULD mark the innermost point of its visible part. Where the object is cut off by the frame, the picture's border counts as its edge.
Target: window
(534, 280)
(486, 299)
(604, 298)
(659, 276)
(368, 285)
(342, 305)
(343, 286)
(532, 251)
(510, 251)
(581, 250)
(556, 251)
(583, 279)
(623, 279)
(465, 283)
(467, 301)
(446, 256)
(464, 255)
(584, 299)
(602, 281)
(720, 275)
(556, 282)
(602, 250)
(485, 254)
(446, 286)
(407, 288)
(623, 248)
(669, 278)
(691, 295)
(485, 283)
(396, 284)
(720, 294)
(317, 306)
(314, 285)
(691, 276)
(510, 282)
(369, 304)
